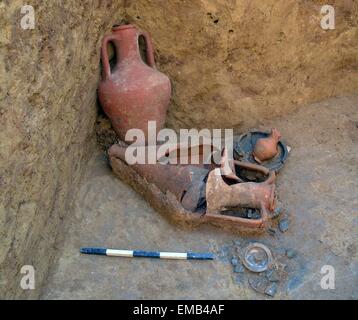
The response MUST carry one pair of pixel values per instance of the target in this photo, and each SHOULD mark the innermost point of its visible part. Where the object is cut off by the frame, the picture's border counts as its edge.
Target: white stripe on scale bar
(173, 255)
(119, 253)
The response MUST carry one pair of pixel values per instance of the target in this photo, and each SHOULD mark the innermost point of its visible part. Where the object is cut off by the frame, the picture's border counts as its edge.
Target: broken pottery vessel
(134, 92)
(184, 182)
(198, 194)
(266, 148)
(220, 197)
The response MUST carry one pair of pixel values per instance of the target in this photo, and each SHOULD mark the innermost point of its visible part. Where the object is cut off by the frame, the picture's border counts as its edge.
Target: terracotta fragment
(220, 197)
(184, 182)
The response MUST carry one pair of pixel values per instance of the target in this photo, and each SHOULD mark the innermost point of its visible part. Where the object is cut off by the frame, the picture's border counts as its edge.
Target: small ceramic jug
(266, 148)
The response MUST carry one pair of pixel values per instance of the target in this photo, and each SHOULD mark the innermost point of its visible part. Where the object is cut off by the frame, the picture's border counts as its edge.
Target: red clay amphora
(266, 148)
(133, 92)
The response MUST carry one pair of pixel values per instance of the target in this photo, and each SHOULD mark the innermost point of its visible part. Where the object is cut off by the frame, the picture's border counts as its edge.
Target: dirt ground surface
(317, 189)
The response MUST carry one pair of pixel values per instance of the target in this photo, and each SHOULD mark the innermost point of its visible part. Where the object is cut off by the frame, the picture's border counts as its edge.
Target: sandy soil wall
(48, 81)
(235, 63)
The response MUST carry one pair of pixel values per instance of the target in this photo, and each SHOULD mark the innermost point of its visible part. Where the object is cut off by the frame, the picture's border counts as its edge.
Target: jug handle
(150, 50)
(106, 72)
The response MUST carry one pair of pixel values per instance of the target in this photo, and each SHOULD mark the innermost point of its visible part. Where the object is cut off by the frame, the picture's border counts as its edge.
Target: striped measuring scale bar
(148, 254)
